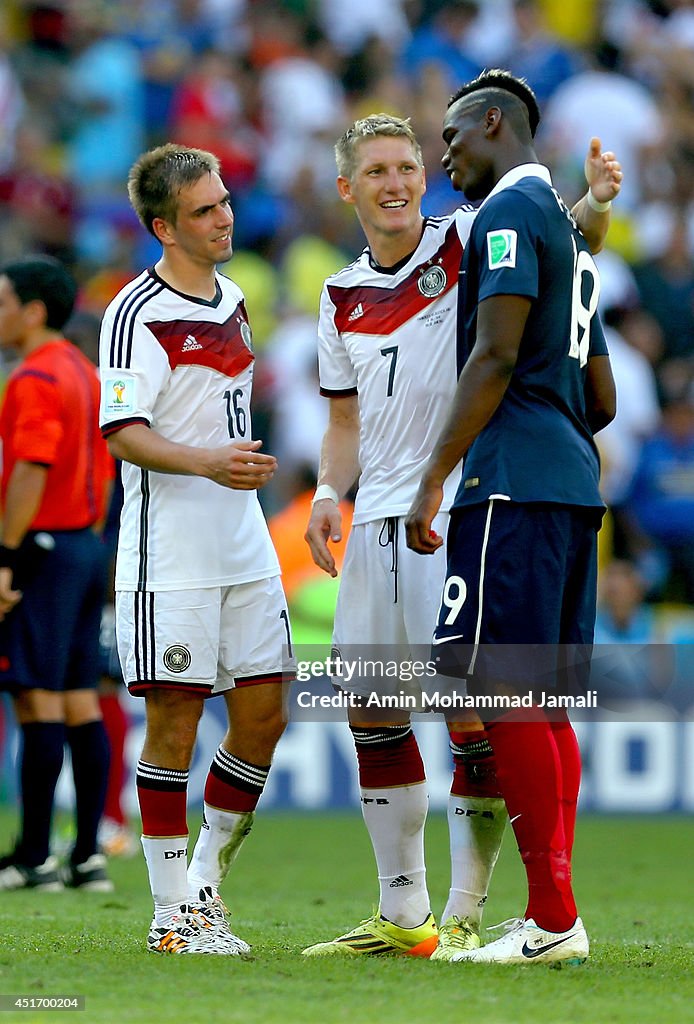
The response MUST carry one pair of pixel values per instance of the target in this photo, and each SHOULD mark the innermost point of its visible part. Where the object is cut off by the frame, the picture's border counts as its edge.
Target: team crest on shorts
(177, 658)
(432, 281)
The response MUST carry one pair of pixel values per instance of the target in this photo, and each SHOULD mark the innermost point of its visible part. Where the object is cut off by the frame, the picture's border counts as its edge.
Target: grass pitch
(302, 879)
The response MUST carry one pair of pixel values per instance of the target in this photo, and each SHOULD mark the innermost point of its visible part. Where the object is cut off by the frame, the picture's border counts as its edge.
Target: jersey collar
(513, 176)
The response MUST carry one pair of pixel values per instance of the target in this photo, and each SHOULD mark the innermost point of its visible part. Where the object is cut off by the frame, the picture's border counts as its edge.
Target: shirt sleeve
(508, 236)
(129, 392)
(38, 428)
(335, 370)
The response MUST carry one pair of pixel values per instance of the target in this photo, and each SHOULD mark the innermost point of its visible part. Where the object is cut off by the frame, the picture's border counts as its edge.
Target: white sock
(167, 862)
(395, 820)
(476, 827)
(220, 839)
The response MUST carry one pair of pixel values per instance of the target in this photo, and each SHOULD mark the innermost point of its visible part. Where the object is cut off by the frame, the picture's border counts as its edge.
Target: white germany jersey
(389, 336)
(183, 366)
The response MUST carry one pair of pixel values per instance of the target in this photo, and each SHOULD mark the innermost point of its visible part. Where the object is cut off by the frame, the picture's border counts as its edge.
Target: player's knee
(270, 725)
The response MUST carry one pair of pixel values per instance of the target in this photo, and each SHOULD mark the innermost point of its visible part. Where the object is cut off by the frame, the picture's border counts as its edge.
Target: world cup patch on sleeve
(501, 248)
(119, 395)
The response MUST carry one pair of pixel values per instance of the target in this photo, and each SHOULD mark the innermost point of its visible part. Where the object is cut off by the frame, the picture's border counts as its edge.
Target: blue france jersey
(538, 446)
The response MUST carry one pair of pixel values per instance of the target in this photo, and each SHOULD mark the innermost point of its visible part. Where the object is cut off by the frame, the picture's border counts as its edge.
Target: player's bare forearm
(600, 392)
(240, 466)
(481, 387)
(23, 498)
(339, 457)
(22, 501)
(339, 469)
(604, 176)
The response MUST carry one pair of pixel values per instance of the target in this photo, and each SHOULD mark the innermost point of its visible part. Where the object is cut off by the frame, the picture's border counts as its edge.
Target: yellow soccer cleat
(379, 937)
(455, 935)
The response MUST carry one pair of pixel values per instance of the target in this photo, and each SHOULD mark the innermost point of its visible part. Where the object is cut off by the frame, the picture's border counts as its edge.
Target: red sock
(233, 784)
(570, 758)
(161, 793)
(528, 770)
(116, 725)
(388, 756)
(474, 770)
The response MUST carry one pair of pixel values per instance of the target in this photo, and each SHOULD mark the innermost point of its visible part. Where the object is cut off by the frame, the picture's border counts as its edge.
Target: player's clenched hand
(240, 466)
(8, 597)
(325, 524)
(420, 536)
(603, 172)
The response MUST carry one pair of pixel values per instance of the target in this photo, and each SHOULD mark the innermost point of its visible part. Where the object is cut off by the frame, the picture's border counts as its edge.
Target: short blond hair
(346, 156)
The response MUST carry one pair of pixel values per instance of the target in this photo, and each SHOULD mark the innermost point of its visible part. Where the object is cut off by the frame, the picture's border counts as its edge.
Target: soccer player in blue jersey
(535, 386)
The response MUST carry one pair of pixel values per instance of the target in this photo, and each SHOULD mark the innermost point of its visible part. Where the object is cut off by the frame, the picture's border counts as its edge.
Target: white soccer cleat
(192, 931)
(217, 913)
(527, 944)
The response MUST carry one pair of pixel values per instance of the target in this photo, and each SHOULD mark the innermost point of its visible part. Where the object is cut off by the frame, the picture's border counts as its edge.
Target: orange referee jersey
(50, 415)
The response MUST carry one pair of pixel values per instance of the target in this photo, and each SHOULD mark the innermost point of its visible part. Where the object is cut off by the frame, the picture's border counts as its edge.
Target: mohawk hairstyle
(499, 81)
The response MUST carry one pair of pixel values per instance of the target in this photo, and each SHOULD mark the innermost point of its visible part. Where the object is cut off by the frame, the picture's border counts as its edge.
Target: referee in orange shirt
(55, 479)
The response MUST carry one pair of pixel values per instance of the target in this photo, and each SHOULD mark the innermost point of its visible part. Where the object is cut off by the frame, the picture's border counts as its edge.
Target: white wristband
(325, 491)
(596, 205)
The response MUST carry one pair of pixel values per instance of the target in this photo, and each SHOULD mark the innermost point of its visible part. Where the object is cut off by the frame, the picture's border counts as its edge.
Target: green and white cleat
(456, 934)
(378, 937)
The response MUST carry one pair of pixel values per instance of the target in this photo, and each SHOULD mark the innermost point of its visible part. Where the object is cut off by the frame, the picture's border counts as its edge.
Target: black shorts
(50, 640)
(517, 574)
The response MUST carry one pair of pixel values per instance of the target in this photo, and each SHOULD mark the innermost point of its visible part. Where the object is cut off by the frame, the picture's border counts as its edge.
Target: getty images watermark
(532, 679)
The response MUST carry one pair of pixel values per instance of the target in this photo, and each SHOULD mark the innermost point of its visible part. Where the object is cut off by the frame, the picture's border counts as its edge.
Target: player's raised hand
(603, 172)
(325, 524)
(241, 466)
(420, 536)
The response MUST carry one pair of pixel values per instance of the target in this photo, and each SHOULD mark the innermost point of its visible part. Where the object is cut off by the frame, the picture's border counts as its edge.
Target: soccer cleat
(44, 878)
(455, 935)
(90, 876)
(191, 931)
(216, 912)
(377, 937)
(528, 944)
(116, 840)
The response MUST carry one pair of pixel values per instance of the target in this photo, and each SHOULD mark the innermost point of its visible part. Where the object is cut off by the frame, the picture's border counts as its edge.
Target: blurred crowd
(86, 85)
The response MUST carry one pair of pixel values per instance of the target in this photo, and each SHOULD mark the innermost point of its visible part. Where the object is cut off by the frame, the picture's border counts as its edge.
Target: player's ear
(424, 180)
(162, 231)
(344, 187)
(35, 313)
(492, 120)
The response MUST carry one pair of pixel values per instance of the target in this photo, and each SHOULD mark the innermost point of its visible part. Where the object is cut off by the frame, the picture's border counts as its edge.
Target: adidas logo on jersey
(356, 312)
(190, 344)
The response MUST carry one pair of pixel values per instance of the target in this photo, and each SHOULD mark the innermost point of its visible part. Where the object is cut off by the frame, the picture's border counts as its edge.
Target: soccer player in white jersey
(200, 608)
(387, 362)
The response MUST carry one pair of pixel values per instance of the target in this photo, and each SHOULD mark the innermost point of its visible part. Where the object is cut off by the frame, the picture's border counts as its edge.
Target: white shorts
(204, 641)
(389, 596)
(370, 610)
